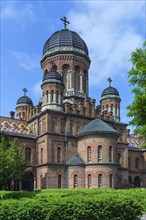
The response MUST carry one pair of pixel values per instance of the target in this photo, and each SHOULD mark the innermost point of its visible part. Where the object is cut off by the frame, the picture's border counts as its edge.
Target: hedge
(92, 204)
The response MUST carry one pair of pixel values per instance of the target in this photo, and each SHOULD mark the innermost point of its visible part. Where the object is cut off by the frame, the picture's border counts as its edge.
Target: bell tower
(110, 101)
(70, 55)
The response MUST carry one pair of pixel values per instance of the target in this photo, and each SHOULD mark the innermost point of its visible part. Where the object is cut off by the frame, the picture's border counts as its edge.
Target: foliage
(12, 165)
(137, 78)
(80, 204)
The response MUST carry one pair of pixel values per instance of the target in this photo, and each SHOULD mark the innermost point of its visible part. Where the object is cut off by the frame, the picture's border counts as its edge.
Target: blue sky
(111, 30)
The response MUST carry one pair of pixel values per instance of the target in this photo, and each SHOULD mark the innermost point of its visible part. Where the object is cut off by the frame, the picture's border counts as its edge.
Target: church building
(70, 142)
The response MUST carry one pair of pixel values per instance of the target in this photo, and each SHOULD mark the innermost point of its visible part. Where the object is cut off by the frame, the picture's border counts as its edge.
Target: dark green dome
(65, 40)
(52, 77)
(110, 91)
(96, 126)
(23, 101)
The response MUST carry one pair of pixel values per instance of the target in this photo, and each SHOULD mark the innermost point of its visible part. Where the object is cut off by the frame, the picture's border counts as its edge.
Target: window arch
(59, 181)
(57, 97)
(77, 73)
(110, 180)
(136, 163)
(75, 181)
(100, 180)
(130, 180)
(27, 154)
(58, 154)
(41, 155)
(89, 154)
(52, 96)
(89, 181)
(65, 69)
(99, 154)
(110, 153)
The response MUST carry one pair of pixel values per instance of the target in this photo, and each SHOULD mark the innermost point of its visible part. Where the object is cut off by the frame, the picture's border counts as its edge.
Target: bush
(93, 204)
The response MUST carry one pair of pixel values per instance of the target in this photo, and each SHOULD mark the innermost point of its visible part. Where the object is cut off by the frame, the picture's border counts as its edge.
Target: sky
(111, 30)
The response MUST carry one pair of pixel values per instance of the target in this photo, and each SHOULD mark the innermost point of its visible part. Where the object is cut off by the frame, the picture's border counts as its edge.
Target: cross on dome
(25, 91)
(65, 22)
(110, 80)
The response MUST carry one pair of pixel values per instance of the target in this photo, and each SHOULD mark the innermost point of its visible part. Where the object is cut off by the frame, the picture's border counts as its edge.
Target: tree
(12, 165)
(137, 78)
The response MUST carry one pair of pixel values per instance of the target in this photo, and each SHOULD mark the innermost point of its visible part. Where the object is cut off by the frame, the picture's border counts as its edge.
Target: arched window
(85, 82)
(59, 181)
(100, 180)
(58, 154)
(110, 180)
(88, 154)
(110, 154)
(136, 163)
(116, 110)
(89, 181)
(52, 96)
(40, 126)
(129, 162)
(41, 155)
(65, 70)
(75, 181)
(28, 154)
(77, 73)
(71, 127)
(57, 97)
(137, 181)
(47, 96)
(41, 181)
(130, 180)
(99, 154)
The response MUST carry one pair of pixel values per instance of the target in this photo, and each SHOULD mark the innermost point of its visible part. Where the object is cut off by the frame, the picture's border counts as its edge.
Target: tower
(110, 101)
(70, 55)
(52, 88)
(24, 105)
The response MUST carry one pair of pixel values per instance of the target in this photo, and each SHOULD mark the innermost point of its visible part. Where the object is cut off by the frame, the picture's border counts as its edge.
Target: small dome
(52, 77)
(65, 40)
(24, 100)
(96, 126)
(110, 91)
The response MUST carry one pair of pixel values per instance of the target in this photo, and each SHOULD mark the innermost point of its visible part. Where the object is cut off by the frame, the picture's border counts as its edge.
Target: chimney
(12, 114)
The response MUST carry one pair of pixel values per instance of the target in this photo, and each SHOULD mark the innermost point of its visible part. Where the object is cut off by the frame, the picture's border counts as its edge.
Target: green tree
(137, 78)
(12, 165)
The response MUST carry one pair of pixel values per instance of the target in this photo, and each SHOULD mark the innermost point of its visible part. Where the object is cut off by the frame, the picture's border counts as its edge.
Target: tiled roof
(15, 128)
(76, 160)
(96, 126)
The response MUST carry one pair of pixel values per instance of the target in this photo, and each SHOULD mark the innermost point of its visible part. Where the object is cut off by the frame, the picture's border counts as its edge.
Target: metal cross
(65, 21)
(25, 91)
(110, 80)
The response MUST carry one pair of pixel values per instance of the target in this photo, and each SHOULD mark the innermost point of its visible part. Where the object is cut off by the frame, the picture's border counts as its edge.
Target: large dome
(65, 40)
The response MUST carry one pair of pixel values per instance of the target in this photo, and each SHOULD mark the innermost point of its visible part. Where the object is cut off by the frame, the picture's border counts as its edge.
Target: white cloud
(19, 13)
(111, 31)
(37, 89)
(26, 61)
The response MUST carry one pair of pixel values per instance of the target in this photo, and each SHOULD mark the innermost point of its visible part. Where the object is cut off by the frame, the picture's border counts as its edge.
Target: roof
(97, 126)
(110, 91)
(76, 160)
(52, 77)
(24, 100)
(65, 40)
